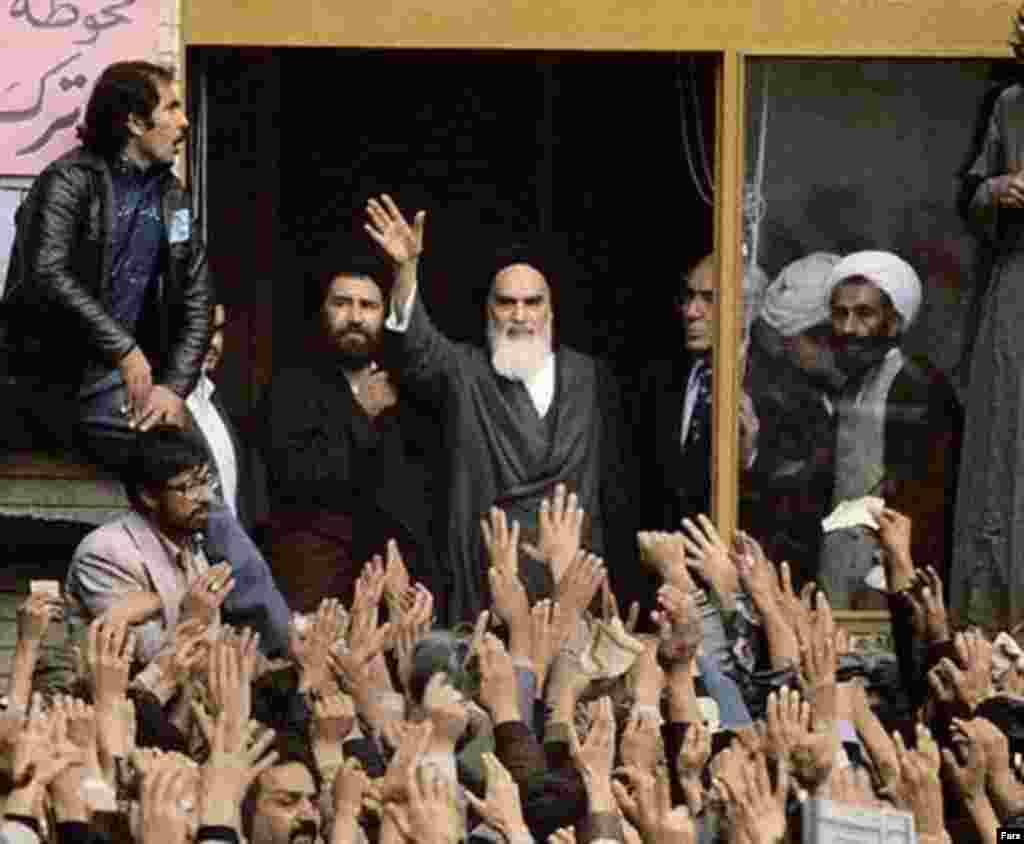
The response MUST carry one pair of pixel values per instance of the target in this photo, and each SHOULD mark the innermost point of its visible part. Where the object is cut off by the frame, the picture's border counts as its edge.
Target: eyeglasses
(193, 488)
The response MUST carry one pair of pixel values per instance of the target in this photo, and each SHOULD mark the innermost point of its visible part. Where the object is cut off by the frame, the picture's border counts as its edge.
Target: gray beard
(518, 358)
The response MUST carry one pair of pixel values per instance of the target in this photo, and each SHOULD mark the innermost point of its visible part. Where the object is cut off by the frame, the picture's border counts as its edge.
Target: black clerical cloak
(502, 452)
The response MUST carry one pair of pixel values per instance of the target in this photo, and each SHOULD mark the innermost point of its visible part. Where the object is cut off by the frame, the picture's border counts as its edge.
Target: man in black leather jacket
(108, 281)
(108, 301)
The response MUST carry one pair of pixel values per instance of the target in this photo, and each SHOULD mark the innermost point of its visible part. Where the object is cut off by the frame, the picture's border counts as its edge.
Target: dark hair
(440, 651)
(292, 749)
(358, 265)
(123, 89)
(159, 454)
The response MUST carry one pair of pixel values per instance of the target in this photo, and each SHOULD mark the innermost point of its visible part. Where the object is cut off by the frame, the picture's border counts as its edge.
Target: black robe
(341, 484)
(501, 452)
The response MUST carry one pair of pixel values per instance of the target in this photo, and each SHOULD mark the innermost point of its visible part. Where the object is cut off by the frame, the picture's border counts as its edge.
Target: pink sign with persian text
(52, 53)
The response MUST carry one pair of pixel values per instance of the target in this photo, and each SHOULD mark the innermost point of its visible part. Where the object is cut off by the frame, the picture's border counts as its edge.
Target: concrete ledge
(46, 486)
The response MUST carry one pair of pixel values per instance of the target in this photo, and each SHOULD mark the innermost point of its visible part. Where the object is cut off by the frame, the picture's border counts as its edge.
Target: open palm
(390, 230)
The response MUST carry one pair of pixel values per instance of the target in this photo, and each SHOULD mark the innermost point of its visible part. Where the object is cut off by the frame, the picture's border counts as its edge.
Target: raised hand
(42, 750)
(501, 540)
(415, 619)
(818, 664)
(788, 720)
(925, 598)
(560, 530)
(108, 658)
(972, 679)
(579, 585)
(333, 719)
(919, 790)
(641, 745)
(756, 810)
(351, 786)
(708, 554)
(646, 676)
(666, 553)
(680, 630)
(109, 652)
(430, 814)
(236, 759)
(894, 533)
(648, 804)
(396, 574)
(313, 650)
(756, 572)
(369, 593)
(500, 808)
(499, 691)
(510, 601)
(410, 742)
(798, 608)
(595, 756)
(229, 679)
(187, 653)
(694, 752)
(548, 633)
(388, 228)
(166, 791)
(207, 593)
(966, 763)
(81, 728)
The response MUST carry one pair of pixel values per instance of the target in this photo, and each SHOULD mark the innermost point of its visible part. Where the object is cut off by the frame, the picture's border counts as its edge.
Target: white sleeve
(399, 315)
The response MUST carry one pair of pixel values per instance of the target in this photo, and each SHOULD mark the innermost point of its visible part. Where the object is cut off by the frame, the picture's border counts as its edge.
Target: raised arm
(427, 358)
(402, 243)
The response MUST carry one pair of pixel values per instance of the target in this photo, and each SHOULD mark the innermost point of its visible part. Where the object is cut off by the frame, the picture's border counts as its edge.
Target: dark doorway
(586, 148)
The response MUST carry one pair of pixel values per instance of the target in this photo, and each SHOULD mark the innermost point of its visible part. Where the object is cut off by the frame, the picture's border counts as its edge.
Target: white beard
(519, 356)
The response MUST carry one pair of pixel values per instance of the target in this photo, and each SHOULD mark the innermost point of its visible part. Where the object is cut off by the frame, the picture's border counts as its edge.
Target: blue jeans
(104, 435)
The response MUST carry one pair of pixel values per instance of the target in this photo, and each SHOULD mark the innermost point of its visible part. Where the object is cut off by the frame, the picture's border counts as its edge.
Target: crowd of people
(476, 678)
(550, 720)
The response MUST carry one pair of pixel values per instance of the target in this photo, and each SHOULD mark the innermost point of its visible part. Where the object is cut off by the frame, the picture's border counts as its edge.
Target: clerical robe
(502, 452)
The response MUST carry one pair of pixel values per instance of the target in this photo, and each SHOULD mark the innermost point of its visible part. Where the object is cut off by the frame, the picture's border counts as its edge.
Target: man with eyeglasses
(105, 315)
(146, 568)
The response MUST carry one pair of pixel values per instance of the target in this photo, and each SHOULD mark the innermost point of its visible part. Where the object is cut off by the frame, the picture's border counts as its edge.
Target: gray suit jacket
(120, 557)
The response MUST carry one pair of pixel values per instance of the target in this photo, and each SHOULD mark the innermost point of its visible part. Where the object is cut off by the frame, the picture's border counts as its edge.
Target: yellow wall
(891, 27)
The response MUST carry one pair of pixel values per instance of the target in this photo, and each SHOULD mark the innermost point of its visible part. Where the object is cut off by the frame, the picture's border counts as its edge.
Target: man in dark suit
(675, 401)
(344, 452)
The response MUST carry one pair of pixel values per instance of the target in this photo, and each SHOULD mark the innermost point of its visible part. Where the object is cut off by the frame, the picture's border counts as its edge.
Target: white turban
(889, 273)
(797, 299)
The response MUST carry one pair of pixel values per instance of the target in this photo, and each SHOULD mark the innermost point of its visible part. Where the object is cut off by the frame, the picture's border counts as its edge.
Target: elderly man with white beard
(520, 417)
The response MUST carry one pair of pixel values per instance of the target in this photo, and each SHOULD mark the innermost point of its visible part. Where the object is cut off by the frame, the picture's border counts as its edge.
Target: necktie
(700, 418)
